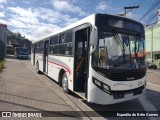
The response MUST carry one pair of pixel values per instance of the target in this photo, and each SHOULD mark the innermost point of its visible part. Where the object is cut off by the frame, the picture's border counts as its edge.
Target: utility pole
(152, 44)
(130, 8)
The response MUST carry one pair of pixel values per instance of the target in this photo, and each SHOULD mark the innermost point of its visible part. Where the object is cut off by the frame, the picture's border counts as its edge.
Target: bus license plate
(130, 94)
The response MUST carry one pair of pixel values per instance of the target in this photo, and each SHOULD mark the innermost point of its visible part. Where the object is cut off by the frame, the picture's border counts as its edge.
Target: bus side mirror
(93, 40)
(93, 37)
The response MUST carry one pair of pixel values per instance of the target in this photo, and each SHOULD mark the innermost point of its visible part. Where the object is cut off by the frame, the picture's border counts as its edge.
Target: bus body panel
(56, 63)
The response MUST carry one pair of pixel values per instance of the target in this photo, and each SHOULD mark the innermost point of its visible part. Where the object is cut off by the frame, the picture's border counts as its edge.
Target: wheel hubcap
(65, 83)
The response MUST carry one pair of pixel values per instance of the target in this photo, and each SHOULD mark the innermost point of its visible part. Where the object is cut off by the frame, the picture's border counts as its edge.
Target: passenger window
(53, 50)
(54, 40)
(62, 38)
(69, 36)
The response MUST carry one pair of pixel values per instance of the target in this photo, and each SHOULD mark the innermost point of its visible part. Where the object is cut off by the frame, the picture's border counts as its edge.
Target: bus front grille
(121, 94)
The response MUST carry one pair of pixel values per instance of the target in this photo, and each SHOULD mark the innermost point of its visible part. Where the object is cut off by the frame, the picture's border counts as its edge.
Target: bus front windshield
(119, 51)
(24, 50)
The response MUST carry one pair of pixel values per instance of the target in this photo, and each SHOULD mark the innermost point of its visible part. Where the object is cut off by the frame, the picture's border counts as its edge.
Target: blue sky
(37, 18)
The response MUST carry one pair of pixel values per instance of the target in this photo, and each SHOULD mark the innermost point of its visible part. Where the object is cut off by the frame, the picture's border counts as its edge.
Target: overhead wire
(151, 19)
(155, 4)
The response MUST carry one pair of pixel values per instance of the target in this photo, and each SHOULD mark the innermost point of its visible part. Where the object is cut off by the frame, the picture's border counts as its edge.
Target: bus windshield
(119, 51)
(23, 50)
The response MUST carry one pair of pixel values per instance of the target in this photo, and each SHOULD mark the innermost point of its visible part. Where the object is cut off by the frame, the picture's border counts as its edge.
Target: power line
(150, 9)
(151, 19)
(151, 24)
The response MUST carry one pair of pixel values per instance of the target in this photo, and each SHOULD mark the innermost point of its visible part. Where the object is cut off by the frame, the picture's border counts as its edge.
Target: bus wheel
(37, 68)
(65, 83)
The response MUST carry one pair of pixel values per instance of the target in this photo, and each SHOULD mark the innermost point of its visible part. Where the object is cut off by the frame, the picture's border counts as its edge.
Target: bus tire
(37, 68)
(65, 83)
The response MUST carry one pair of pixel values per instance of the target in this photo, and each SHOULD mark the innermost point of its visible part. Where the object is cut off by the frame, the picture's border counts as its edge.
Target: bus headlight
(102, 86)
(106, 87)
(97, 82)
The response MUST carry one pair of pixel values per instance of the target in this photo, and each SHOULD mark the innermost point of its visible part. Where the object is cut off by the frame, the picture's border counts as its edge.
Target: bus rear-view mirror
(93, 37)
(93, 40)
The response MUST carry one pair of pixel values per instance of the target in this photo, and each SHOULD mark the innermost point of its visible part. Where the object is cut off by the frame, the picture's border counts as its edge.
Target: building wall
(155, 30)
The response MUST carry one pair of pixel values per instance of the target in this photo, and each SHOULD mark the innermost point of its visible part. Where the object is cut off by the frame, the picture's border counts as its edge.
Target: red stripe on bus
(58, 65)
(39, 54)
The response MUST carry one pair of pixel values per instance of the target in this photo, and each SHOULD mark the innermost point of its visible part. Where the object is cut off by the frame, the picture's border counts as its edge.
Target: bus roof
(90, 19)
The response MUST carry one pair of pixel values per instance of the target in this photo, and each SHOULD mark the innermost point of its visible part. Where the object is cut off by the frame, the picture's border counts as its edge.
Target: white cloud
(1, 14)
(1, 6)
(3, 1)
(132, 16)
(5, 22)
(23, 12)
(67, 6)
(102, 6)
(26, 2)
(37, 31)
(34, 23)
(69, 20)
(17, 23)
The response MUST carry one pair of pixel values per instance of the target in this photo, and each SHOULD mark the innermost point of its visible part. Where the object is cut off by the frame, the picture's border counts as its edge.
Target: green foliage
(18, 38)
(2, 64)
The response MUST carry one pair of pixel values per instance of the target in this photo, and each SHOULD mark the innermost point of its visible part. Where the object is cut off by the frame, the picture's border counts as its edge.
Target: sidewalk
(21, 90)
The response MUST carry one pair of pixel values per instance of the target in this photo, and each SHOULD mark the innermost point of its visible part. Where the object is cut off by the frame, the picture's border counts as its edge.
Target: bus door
(45, 56)
(81, 61)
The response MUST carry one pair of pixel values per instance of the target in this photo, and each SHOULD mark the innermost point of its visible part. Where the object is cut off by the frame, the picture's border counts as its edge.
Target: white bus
(101, 58)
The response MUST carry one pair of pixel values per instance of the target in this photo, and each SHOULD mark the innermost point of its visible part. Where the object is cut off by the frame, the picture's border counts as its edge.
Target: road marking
(147, 105)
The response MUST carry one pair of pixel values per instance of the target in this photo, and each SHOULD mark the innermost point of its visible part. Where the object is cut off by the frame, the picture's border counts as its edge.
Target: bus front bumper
(22, 56)
(104, 98)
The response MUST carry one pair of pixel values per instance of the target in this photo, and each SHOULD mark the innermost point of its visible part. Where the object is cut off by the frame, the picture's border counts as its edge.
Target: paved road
(153, 76)
(22, 89)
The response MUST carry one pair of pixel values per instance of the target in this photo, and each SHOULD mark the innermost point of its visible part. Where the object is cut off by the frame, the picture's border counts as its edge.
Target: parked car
(151, 65)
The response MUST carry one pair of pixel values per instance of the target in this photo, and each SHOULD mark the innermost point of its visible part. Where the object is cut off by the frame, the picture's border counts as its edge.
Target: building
(3, 40)
(152, 35)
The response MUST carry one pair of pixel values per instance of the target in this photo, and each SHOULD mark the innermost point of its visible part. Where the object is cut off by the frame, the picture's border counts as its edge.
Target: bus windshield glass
(119, 51)
(23, 50)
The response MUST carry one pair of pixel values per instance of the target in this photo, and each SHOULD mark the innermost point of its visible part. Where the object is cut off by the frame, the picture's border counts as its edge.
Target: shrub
(2, 64)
